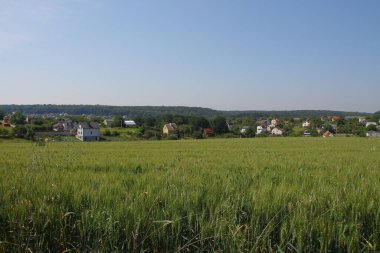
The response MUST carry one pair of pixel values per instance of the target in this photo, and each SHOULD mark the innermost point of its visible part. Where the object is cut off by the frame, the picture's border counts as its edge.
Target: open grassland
(224, 195)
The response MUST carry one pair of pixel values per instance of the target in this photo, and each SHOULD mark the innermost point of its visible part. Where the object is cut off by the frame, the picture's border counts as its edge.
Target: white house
(108, 122)
(245, 129)
(129, 123)
(88, 131)
(306, 123)
(261, 129)
(277, 131)
(370, 124)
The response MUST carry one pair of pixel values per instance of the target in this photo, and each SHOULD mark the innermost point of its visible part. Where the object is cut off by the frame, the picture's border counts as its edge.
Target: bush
(107, 132)
(172, 137)
(228, 135)
(197, 135)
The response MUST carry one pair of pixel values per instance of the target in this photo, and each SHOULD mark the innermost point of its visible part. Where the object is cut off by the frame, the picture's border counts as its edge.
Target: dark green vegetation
(158, 111)
(230, 195)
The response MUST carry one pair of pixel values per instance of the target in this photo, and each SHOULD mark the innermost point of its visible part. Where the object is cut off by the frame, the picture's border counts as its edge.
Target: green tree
(4, 132)
(18, 119)
(29, 134)
(19, 131)
(117, 121)
(1, 115)
(151, 122)
(249, 132)
(371, 128)
(107, 132)
(219, 125)
(198, 122)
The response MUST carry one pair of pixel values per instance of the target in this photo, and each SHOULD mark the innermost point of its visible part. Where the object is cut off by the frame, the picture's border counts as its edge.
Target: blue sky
(234, 55)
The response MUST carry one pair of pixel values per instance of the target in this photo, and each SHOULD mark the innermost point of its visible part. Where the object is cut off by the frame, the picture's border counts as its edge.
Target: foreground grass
(231, 195)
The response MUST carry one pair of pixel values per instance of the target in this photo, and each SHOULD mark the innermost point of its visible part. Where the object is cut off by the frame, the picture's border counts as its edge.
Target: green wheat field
(220, 195)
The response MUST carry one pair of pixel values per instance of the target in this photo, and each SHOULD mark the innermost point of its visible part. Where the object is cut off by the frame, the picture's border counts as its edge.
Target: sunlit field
(221, 195)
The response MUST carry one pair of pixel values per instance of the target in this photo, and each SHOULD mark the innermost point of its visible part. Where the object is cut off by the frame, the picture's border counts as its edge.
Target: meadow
(220, 195)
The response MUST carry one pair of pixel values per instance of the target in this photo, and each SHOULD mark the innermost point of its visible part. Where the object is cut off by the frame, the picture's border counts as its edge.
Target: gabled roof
(59, 124)
(129, 122)
(171, 126)
(93, 125)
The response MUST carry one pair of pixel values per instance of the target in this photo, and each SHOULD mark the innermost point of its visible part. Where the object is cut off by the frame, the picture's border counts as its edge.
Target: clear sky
(258, 55)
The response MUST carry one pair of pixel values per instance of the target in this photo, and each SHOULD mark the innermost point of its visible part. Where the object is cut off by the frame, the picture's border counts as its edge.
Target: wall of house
(88, 134)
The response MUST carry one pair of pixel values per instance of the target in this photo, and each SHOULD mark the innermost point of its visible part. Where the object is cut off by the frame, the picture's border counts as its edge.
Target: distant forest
(158, 111)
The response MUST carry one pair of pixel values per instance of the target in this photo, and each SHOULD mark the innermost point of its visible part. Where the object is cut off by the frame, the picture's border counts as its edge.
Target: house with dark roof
(170, 129)
(88, 131)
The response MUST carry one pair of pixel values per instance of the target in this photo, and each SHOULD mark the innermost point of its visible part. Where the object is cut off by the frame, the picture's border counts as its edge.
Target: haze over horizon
(248, 55)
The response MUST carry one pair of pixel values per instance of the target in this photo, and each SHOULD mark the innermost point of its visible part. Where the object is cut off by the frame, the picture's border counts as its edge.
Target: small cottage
(170, 129)
(306, 123)
(261, 129)
(207, 132)
(88, 131)
(129, 123)
(275, 122)
(108, 122)
(277, 131)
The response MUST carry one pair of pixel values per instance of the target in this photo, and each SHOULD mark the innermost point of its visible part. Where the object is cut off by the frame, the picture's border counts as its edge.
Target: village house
(129, 123)
(170, 129)
(372, 134)
(6, 122)
(277, 131)
(335, 118)
(58, 127)
(230, 125)
(108, 122)
(261, 129)
(275, 122)
(327, 134)
(66, 125)
(88, 131)
(69, 125)
(263, 123)
(324, 118)
(29, 118)
(306, 123)
(207, 132)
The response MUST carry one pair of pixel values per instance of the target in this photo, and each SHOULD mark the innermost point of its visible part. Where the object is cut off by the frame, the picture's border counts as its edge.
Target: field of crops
(221, 195)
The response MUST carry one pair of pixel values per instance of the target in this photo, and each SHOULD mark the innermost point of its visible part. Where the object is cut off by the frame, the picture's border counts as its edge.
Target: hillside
(157, 111)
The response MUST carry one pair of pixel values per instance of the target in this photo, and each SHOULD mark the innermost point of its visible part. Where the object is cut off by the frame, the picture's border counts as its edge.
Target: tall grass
(230, 195)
